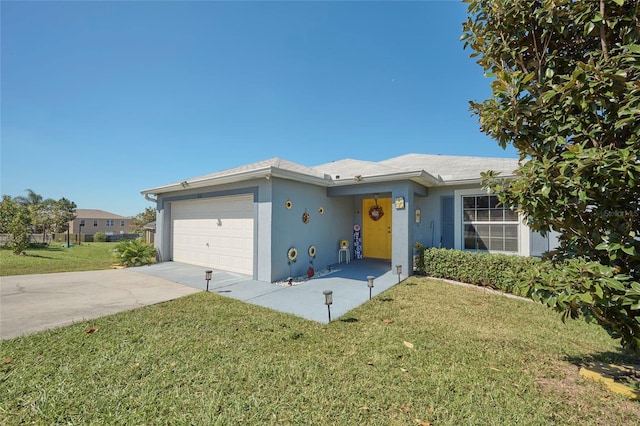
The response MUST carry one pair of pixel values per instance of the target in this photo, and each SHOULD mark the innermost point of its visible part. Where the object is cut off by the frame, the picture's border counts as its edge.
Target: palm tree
(31, 199)
(39, 209)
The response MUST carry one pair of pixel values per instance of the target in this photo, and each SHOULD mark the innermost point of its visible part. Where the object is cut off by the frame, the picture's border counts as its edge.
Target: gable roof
(440, 169)
(348, 171)
(426, 169)
(96, 214)
(273, 167)
(453, 168)
(348, 167)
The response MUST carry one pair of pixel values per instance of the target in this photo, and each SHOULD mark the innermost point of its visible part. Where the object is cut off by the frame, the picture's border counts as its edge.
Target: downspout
(148, 198)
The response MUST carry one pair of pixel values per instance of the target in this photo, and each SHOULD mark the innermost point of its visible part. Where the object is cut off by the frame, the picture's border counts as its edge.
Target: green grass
(205, 359)
(54, 258)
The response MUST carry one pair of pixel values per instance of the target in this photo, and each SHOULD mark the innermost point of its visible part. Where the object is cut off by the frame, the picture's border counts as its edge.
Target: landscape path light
(328, 300)
(370, 284)
(207, 276)
(399, 271)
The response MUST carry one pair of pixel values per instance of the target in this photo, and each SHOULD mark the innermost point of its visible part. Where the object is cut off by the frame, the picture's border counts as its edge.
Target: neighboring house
(92, 221)
(247, 219)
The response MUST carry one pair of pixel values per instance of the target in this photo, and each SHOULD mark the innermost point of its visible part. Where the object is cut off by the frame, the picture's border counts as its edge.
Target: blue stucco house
(248, 219)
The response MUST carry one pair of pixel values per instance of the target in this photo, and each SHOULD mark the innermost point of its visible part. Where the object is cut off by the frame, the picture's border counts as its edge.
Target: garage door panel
(216, 233)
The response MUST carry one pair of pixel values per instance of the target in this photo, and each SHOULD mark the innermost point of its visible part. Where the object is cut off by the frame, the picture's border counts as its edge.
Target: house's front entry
(376, 228)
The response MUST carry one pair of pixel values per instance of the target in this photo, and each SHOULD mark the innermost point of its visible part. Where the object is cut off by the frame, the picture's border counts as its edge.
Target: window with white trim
(487, 226)
(122, 223)
(110, 222)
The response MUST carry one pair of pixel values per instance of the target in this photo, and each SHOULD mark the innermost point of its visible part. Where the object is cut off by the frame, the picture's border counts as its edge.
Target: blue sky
(103, 99)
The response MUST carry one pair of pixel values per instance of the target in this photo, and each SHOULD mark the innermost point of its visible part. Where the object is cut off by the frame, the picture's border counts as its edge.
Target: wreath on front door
(375, 212)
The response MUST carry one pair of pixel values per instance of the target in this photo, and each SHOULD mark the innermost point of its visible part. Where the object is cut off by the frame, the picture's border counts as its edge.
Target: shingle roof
(350, 168)
(276, 163)
(451, 167)
(278, 166)
(96, 214)
(444, 167)
(427, 169)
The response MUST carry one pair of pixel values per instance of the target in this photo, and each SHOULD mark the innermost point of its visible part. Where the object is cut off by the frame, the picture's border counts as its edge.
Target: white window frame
(523, 230)
(110, 223)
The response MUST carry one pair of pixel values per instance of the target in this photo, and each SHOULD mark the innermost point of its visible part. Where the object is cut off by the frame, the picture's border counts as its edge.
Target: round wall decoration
(312, 251)
(376, 212)
(321, 210)
(305, 217)
(288, 204)
(292, 254)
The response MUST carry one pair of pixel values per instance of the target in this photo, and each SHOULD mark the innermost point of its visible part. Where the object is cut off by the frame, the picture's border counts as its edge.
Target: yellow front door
(376, 234)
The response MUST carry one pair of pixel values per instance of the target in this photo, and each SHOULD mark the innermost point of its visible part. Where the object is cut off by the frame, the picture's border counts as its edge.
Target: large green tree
(62, 212)
(566, 94)
(15, 220)
(143, 218)
(40, 211)
(21, 216)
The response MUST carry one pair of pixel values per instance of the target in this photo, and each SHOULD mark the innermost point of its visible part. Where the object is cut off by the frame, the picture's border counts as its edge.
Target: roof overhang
(418, 176)
(261, 173)
(474, 181)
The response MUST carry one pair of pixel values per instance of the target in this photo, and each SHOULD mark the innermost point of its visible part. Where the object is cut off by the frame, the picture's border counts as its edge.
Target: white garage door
(215, 233)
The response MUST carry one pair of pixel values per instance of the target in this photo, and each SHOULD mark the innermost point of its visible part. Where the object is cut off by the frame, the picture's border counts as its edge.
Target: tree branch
(603, 35)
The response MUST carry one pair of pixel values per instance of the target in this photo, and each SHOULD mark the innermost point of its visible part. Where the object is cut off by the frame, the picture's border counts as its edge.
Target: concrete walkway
(347, 281)
(30, 303)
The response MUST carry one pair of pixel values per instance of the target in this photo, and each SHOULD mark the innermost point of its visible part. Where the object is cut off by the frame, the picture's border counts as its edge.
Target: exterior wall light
(328, 300)
(370, 284)
(399, 271)
(207, 276)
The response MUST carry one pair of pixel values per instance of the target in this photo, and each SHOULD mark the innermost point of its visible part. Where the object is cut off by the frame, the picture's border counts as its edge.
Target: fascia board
(458, 182)
(420, 177)
(199, 183)
(300, 177)
(261, 173)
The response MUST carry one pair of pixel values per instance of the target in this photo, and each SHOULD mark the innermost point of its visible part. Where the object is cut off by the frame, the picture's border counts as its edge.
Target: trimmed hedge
(497, 271)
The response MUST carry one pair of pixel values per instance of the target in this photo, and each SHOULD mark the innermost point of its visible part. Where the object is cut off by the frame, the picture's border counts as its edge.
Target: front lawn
(424, 351)
(55, 258)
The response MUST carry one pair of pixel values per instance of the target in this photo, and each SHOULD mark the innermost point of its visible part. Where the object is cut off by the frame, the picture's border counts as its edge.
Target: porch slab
(347, 281)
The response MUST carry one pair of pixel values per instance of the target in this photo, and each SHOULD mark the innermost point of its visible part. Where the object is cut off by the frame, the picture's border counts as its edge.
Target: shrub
(134, 253)
(579, 288)
(15, 220)
(100, 237)
(499, 271)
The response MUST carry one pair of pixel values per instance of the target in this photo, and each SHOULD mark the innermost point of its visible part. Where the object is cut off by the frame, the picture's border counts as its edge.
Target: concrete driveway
(30, 303)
